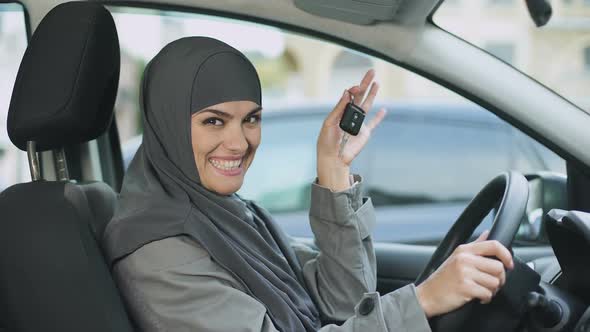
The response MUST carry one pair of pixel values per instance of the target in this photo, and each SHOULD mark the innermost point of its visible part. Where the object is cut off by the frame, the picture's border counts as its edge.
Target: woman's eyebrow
(259, 108)
(228, 115)
(217, 112)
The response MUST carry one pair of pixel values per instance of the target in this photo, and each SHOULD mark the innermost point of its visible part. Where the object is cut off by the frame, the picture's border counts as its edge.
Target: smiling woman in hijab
(190, 255)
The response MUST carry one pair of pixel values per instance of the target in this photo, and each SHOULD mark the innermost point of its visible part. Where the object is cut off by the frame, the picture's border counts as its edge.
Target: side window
(530, 156)
(274, 180)
(13, 42)
(432, 154)
(420, 161)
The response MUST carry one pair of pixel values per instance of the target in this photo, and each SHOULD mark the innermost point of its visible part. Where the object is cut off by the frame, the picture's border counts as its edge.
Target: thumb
(483, 236)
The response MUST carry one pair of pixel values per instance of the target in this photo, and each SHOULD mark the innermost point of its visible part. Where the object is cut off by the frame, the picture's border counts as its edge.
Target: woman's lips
(227, 166)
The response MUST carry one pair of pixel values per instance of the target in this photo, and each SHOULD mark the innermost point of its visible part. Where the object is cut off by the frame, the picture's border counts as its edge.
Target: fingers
(489, 248)
(492, 267)
(368, 102)
(336, 114)
(483, 236)
(480, 285)
(376, 119)
(488, 281)
(480, 292)
(485, 275)
(359, 91)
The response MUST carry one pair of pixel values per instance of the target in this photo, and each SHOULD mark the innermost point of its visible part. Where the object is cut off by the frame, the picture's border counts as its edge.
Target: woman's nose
(235, 140)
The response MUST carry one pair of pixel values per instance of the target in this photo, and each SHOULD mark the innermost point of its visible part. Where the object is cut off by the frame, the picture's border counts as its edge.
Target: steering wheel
(511, 190)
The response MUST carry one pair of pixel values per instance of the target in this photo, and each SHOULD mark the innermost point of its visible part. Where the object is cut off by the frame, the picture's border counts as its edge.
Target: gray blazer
(174, 285)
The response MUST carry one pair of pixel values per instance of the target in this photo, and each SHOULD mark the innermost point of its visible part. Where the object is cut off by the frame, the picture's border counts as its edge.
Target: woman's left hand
(333, 168)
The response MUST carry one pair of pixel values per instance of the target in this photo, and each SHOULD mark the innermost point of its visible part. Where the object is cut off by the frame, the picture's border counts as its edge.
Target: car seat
(53, 276)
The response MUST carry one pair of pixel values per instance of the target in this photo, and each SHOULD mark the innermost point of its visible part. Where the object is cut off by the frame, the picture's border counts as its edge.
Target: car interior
(53, 276)
(79, 75)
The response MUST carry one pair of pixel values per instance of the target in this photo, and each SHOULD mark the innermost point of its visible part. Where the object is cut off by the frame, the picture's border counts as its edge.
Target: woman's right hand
(466, 275)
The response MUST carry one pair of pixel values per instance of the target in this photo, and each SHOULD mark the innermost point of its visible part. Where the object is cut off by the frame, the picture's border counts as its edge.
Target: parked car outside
(468, 145)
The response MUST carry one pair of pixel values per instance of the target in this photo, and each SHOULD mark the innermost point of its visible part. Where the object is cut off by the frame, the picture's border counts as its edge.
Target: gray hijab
(162, 195)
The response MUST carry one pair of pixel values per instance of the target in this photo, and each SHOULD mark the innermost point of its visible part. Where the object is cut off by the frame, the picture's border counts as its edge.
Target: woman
(190, 255)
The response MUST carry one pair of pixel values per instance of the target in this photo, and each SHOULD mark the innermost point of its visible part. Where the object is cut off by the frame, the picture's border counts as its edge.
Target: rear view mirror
(540, 11)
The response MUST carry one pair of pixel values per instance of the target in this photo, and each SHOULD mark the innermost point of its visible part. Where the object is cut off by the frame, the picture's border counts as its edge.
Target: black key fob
(352, 119)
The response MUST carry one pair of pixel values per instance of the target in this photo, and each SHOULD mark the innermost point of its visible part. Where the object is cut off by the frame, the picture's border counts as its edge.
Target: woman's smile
(228, 166)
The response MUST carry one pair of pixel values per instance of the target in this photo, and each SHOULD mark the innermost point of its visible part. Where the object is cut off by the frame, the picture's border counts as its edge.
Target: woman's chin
(225, 189)
(221, 183)
(227, 192)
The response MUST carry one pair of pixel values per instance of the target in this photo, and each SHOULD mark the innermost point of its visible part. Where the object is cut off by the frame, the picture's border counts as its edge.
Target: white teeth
(225, 164)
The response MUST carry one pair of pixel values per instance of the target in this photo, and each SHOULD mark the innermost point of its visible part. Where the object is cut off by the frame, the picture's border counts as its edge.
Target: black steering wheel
(511, 190)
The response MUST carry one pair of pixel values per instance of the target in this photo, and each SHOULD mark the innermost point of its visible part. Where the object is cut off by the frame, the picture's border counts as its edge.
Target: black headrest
(67, 81)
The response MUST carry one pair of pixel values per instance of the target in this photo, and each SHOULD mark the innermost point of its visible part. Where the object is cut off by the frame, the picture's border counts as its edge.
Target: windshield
(557, 54)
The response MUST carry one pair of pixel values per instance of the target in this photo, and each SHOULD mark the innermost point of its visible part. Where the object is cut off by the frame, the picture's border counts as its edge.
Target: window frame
(26, 14)
(28, 34)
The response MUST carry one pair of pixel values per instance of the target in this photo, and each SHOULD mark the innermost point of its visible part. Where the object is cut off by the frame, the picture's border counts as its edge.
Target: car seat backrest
(52, 274)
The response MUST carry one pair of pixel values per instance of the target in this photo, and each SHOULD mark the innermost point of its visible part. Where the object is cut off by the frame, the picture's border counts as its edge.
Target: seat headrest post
(61, 164)
(33, 161)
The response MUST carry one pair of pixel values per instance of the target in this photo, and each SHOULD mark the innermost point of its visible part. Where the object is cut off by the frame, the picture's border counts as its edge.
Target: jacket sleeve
(173, 285)
(344, 268)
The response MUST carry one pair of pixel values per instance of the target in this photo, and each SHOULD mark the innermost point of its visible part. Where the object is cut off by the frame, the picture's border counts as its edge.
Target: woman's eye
(253, 119)
(213, 121)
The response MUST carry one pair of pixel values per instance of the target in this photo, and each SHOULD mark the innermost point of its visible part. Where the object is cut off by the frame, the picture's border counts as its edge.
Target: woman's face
(225, 138)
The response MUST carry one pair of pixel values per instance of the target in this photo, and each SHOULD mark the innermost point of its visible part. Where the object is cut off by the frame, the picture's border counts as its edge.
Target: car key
(351, 123)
